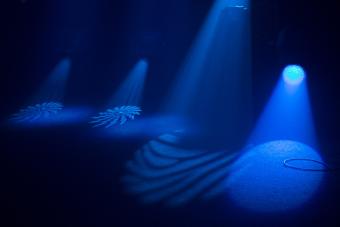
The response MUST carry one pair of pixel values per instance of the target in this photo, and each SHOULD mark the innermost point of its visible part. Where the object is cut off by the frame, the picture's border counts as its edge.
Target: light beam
(131, 90)
(288, 113)
(213, 87)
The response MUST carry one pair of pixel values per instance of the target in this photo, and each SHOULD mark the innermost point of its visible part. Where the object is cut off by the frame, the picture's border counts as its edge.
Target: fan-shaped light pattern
(37, 112)
(118, 115)
(162, 171)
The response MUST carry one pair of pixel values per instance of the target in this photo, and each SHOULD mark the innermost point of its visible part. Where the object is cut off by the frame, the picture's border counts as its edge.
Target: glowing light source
(288, 113)
(293, 74)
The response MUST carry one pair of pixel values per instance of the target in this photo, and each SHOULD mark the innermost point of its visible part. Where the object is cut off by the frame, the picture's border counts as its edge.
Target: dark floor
(51, 177)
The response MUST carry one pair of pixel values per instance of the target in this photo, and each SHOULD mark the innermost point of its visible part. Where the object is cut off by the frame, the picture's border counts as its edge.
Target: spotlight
(288, 114)
(293, 74)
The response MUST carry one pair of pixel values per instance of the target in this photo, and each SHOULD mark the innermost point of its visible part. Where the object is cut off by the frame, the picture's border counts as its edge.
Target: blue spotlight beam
(287, 115)
(213, 87)
(189, 77)
(130, 92)
(47, 104)
(53, 89)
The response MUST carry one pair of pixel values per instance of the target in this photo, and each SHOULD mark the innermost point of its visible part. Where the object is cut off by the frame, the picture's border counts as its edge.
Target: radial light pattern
(118, 115)
(38, 112)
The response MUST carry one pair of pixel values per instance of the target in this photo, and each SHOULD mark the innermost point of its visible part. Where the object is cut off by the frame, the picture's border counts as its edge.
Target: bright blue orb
(293, 74)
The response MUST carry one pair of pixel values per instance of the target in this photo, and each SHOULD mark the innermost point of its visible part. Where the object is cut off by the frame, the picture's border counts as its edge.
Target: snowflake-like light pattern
(120, 114)
(38, 111)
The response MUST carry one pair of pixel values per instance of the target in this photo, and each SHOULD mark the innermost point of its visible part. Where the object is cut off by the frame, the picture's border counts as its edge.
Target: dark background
(61, 177)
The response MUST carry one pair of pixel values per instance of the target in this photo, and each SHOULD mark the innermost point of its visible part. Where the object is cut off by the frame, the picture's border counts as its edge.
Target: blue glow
(287, 115)
(205, 59)
(62, 116)
(116, 115)
(162, 171)
(38, 112)
(53, 89)
(46, 104)
(131, 90)
(144, 127)
(244, 4)
(293, 74)
(215, 71)
(263, 184)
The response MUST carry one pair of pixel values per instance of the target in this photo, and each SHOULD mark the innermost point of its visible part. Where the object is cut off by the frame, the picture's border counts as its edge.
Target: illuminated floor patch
(37, 112)
(49, 114)
(143, 127)
(264, 184)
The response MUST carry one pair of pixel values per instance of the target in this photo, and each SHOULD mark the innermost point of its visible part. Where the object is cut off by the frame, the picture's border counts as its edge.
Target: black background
(61, 177)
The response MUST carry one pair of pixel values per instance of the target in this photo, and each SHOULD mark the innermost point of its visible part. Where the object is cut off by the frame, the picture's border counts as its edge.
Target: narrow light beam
(131, 90)
(53, 89)
(125, 104)
(288, 113)
(213, 87)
